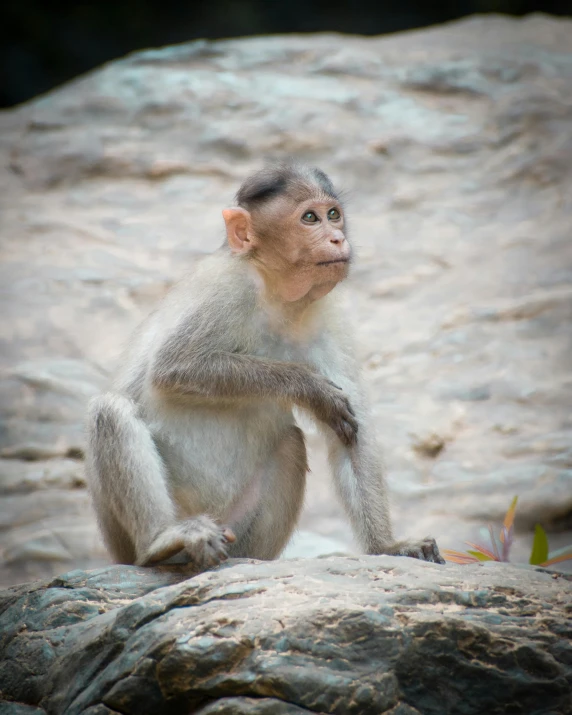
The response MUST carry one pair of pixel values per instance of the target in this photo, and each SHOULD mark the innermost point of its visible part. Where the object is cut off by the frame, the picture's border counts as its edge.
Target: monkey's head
(289, 223)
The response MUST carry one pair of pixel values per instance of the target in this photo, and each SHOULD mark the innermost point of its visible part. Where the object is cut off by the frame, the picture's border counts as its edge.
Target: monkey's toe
(425, 550)
(228, 535)
(430, 551)
(211, 548)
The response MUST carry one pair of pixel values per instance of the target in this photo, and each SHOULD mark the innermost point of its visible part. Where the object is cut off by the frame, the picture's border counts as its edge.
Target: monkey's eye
(309, 217)
(333, 214)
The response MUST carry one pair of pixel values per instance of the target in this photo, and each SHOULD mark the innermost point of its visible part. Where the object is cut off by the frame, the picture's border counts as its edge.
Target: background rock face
(455, 147)
(345, 636)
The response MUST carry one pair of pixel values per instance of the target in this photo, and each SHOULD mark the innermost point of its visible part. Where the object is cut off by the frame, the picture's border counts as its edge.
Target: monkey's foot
(424, 550)
(203, 542)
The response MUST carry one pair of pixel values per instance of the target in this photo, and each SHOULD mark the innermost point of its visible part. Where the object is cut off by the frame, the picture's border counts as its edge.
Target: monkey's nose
(337, 240)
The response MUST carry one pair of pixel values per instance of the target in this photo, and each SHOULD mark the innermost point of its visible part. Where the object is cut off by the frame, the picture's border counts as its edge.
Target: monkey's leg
(117, 540)
(282, 494)
(128, 481)
(358, 475)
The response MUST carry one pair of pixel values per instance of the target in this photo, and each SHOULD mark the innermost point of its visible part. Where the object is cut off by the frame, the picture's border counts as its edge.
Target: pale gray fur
(197, 432)
(155, 459)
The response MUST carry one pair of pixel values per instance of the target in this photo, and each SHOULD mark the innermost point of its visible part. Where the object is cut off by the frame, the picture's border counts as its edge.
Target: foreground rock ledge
(333, 635)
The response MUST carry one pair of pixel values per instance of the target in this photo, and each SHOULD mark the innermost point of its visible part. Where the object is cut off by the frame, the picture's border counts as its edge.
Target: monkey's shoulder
(220, 306)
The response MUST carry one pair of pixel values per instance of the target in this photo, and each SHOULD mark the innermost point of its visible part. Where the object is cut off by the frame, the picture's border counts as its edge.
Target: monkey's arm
(360, 482)
(218, 374)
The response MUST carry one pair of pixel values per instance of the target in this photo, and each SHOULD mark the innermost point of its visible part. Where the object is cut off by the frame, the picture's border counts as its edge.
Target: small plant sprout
(539, 555)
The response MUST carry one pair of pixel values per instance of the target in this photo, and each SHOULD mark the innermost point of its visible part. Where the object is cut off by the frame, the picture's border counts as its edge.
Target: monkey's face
(302, 246)
(298, 245)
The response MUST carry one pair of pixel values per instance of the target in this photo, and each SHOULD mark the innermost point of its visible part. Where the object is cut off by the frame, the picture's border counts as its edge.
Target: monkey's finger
(434, 555)
(228, 535)
(430, 551)
(427, 553)
(351, 420)
(346, 433)
(162, 551)
(219, 545)
(338, 428)
(213, 558)
(349, 408)
(352, 429)
(215, 552)
(344, 438)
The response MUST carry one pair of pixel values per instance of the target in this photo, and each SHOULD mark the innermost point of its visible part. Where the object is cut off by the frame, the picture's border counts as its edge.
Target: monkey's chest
(277, 345)
(276, 336)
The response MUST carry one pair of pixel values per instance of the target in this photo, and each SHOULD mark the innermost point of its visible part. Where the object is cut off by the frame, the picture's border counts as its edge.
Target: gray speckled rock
(334, 635)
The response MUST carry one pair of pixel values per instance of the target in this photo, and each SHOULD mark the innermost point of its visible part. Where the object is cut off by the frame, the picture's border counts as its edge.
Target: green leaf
(480, 556)
(539, 553)
(483, 550)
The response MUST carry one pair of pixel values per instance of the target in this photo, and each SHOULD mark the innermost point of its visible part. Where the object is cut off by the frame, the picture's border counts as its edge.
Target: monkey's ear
(238, 231)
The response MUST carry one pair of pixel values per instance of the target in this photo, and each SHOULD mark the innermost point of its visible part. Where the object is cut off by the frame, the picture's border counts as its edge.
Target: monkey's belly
(217, 460)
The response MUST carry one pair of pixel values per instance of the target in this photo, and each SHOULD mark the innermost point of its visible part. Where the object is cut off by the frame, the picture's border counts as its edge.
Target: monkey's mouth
(335, 260)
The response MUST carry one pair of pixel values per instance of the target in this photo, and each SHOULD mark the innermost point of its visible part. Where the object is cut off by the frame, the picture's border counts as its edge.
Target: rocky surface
(455, 147)
(363, 635)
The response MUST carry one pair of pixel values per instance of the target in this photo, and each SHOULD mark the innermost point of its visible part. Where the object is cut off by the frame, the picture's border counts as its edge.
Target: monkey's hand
(203, 541)
(424, 550)
(332, 406)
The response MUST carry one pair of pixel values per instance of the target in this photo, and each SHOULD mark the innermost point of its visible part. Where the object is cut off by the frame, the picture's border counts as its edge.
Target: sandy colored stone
(454, 144)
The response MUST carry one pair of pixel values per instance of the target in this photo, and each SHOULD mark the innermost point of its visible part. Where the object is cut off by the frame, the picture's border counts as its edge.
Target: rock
(333, 635)
(454, 145)
(43, 405)
(309, 544)
(430, 445)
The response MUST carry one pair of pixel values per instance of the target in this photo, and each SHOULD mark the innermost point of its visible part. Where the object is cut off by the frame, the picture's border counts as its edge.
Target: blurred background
(44, 44)
(453, 145)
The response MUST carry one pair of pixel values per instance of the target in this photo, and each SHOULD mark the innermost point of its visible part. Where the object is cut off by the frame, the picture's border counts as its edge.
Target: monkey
(195, 454)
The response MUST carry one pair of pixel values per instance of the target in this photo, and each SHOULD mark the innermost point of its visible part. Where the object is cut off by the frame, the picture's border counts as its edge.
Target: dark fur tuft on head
(282, 180)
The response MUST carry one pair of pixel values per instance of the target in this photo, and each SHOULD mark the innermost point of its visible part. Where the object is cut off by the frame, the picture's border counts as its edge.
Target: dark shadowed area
(44, 44)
